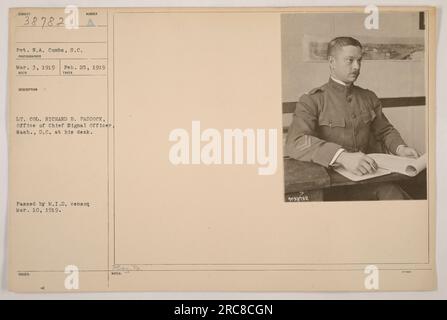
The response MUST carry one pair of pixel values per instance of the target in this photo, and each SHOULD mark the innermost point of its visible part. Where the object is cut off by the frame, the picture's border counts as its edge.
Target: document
(387, 164)
(145, 149)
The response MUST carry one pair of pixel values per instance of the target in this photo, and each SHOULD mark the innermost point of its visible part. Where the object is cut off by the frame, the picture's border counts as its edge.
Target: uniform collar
(339, 81)
(340, 85)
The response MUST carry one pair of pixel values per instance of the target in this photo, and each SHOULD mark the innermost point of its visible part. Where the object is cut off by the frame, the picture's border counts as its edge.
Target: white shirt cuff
(398, 147)
(334, 158)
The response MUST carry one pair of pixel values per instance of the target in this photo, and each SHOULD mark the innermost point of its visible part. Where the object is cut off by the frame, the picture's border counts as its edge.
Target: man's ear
(331, 61)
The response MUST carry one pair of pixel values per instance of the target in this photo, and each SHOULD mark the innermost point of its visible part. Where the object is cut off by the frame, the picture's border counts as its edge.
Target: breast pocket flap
(334, 122)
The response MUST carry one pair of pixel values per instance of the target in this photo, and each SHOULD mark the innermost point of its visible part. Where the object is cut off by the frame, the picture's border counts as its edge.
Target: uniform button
(349, 99)
(353, 116)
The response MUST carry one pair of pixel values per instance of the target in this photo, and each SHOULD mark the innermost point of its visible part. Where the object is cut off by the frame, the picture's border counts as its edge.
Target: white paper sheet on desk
(355, 177)
(388, 164)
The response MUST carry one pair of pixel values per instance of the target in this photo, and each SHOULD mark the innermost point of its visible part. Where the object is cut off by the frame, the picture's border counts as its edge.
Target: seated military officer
(335, 124)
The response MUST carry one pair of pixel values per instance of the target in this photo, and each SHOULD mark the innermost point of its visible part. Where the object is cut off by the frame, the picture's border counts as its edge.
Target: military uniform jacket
(336, 116)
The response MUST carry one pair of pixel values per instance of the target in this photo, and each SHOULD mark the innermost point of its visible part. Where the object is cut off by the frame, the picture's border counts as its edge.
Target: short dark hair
(340, 42)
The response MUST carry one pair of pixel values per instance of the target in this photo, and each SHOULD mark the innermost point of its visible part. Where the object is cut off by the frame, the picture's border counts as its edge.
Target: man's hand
(404, 151)
(357, 163)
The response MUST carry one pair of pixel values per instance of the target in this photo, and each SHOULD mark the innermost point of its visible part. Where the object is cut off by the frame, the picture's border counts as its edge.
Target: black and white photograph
(354, 106)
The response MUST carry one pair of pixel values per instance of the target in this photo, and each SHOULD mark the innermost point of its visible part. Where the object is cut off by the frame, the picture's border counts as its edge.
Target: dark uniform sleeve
(302, 142)
(383, 130)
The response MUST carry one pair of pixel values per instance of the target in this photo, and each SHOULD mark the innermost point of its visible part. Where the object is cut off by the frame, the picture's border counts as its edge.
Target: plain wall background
(387, 78)
(441, 114)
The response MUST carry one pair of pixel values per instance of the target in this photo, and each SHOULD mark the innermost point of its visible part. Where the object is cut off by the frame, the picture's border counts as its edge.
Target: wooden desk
(305, 181)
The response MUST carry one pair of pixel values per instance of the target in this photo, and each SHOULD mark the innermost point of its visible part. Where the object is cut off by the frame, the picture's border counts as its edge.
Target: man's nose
(355, 66)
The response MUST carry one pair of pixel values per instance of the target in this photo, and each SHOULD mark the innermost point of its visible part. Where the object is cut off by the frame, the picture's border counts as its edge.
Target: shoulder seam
(315, 90)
